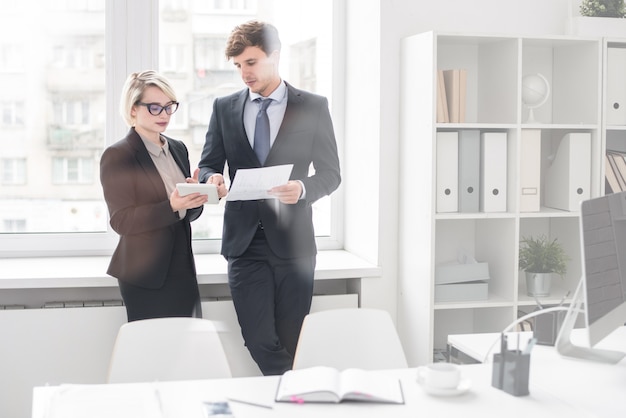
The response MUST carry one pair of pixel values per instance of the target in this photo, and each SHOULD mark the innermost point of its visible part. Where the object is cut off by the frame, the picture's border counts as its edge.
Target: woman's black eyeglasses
(156, 109)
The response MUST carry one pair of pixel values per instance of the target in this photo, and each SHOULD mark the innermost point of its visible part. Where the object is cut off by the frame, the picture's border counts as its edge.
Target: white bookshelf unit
(495, 67)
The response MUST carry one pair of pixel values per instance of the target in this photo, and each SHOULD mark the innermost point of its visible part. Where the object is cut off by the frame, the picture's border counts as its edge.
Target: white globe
(535, 92)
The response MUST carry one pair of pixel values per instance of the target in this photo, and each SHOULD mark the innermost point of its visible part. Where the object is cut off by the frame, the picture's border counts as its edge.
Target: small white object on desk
(442, 379)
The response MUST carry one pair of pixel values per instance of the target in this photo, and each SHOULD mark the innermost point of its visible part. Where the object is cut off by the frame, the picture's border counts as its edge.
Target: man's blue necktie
(262, 131)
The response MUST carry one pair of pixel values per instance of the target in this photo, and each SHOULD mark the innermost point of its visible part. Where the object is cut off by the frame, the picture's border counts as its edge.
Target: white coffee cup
(439, 375)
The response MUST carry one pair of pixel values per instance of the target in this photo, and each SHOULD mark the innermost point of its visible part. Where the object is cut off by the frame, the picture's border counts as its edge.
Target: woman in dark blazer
(153, 261)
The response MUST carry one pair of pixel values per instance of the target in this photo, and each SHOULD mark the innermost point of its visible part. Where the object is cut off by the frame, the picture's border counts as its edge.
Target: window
(301, 25)
(53, 108)
(15, 225)
(209, 55)
(12, 113)
(72, 170)
(303, 64)
(173, 59)
(62, 65)
(11, 57)
(13, 171)
(70, 111)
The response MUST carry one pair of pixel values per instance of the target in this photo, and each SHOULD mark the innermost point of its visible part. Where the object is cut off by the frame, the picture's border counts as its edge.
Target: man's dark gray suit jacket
(305, 137)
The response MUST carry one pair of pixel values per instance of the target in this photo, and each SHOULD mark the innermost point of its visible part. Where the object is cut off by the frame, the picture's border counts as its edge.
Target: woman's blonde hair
(133, 89)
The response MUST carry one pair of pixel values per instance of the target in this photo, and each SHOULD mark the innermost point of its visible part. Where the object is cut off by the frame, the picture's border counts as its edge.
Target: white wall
(374, 30)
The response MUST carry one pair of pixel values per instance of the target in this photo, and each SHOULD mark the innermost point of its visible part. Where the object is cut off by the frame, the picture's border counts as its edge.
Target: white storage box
(460, 273)
(461, 292)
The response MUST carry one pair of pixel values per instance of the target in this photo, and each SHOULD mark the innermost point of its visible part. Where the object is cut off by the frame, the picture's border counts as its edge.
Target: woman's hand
(190, 201)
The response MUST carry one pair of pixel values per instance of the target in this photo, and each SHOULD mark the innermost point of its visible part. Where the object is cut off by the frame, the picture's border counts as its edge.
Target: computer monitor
(601, 293)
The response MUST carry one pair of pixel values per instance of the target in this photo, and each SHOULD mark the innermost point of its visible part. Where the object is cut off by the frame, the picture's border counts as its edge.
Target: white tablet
(203, 188)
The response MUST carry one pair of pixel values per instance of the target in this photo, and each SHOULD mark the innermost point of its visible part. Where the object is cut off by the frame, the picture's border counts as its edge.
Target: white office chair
(167, 349)
(349, 338)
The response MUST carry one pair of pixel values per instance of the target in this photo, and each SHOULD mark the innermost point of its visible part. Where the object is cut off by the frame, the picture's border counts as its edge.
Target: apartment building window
(14, 225)
(173, 59)
(59, 106)
(78, 56)
(13, 171)
(209, 55)
(78, 5)
(11, 57)
(303, 64)
(72, 170)
(71, 111)
(12, 113)
(228, 6)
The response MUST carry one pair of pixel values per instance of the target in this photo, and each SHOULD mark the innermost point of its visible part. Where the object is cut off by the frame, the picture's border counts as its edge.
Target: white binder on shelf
(616, 86)
(568, 178)
(447, 171)
(530, 171)
(469, 170)
(493, 172)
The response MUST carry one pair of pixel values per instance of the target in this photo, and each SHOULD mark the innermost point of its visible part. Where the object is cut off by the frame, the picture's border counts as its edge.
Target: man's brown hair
(252, 33)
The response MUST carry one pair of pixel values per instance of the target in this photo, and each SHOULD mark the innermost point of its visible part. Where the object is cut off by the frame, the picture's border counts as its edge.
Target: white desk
(182, 399)
(593, 388)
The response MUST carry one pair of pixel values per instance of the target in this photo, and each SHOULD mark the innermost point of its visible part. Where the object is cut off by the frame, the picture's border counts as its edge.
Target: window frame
(137, 20)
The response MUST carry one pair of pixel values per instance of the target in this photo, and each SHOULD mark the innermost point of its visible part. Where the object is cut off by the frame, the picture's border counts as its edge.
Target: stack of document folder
(460, 282)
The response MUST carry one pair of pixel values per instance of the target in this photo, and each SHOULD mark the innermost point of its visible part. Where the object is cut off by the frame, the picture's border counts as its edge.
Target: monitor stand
(564, 345)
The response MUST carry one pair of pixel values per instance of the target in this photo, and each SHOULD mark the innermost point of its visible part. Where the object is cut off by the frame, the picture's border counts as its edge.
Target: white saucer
(463, 387)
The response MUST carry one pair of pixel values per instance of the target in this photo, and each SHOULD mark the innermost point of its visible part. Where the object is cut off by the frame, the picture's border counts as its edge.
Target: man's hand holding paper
(289, 193)
(263, 183)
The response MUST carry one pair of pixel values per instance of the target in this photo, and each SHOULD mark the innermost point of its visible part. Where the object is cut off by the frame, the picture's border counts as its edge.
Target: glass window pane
(53, 103)
(52, 109)
(192, 37)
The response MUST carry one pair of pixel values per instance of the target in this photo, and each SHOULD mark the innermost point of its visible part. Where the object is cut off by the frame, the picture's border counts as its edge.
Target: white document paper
(254, 183)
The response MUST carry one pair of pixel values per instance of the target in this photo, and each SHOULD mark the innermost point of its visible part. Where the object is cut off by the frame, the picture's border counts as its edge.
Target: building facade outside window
(53, 113)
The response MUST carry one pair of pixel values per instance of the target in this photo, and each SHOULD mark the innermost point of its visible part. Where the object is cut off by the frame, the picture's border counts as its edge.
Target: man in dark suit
(270, 244)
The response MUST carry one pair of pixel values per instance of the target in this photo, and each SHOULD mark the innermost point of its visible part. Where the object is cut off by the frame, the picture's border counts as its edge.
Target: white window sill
(86, 272)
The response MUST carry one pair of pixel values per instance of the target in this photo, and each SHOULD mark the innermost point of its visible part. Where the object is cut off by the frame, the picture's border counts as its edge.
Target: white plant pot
(597, 26)
(538, 284)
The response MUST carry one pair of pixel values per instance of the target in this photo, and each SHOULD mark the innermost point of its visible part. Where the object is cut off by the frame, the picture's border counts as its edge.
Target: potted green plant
(540, 258)
(599, 18)
(603, 8)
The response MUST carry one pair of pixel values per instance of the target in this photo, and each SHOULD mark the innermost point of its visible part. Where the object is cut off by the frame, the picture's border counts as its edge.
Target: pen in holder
(511, 368)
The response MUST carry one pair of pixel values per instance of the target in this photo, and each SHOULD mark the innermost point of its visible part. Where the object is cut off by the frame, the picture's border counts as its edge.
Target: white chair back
(163, 349)
(349, 338)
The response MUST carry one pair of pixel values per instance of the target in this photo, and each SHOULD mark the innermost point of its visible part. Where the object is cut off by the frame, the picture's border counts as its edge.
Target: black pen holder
(511, 371)
(547, 326)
